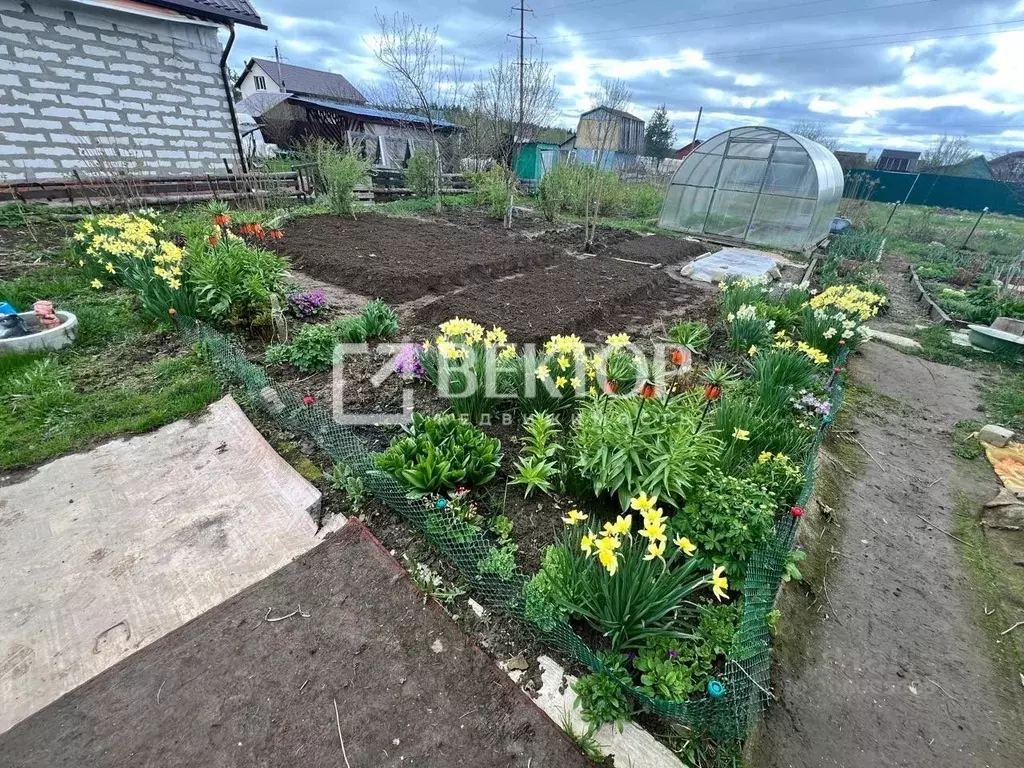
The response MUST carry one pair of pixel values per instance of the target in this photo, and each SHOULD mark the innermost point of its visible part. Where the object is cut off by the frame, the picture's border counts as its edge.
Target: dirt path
(238, 686)
(894, 670)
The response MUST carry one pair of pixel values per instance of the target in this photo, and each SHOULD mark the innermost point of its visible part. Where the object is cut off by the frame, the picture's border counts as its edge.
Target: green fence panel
(957, 192)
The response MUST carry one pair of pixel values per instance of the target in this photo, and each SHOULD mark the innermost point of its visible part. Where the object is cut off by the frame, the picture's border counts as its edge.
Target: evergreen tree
(660, 135)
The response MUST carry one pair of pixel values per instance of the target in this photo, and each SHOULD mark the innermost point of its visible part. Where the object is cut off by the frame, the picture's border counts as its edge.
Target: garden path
(895, 669)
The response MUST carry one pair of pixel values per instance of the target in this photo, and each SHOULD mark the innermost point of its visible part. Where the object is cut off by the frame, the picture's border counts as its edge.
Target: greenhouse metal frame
(756, 186)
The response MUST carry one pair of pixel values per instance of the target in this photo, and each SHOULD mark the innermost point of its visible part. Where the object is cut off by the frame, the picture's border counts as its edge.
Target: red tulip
(309, 399)
(648, 390)
(712, 391)
(797, 511)
(678, 357)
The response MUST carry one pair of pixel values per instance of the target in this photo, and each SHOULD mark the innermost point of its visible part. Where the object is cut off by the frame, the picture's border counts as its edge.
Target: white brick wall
(94, 90)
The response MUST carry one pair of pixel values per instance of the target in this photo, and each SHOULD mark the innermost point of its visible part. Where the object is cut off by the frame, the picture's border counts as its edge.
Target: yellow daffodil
(741, 434)
(507, 351)
(617, 340)
(109, 267)
(587, 543)
(561, 381)
(495, 336)
(653, 531)
(174, 283)
(575, 382)
(573, 517)
(609, 561)
(81, 262)
(752, 350)
(764, 456)
(543, 372)
(623, 525)
(427, 344)
(563, 363)
(686, 546)
(643, 503)
(96, 284)
(608, 542)
(719, 583)
(656, 549)
(653, 516)
(592, 391)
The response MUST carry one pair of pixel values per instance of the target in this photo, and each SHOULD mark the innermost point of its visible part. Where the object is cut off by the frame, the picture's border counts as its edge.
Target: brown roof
(216, 10)
(309, 82)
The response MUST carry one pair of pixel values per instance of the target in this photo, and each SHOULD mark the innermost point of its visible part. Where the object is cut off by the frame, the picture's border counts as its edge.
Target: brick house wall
(106, 91)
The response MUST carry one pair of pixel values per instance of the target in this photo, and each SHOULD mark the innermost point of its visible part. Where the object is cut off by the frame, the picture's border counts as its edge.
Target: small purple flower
(672, 654)
(407, 362)
(307, 303)
(631, 655)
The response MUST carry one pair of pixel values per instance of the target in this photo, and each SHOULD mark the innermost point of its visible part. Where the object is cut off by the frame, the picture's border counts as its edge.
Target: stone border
(920, 295)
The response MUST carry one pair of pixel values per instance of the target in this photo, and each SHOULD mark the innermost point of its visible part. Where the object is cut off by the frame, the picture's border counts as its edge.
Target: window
(260, 83)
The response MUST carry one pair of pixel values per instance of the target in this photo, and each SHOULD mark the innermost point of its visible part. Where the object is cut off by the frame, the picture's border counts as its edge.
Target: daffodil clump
(130, 249)
(829, 329)
(460, 362)
(555, 378)
(854, 301)
(632, 583)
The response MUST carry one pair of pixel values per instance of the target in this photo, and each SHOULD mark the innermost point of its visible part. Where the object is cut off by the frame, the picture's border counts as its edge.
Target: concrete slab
(629, 748)
(734, 262)
(894, 339)
(106, 551)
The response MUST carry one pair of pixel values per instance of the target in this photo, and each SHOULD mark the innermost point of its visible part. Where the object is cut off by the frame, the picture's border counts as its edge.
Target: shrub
(630, 587)
(727, 519)
(777, 474)
(349, 330)
(631, 444)
(491, 188)
(421, 173)
(339, 173)
(233, 281)
(642, 201)
(441, 453)
(380, 320)
(310, 350)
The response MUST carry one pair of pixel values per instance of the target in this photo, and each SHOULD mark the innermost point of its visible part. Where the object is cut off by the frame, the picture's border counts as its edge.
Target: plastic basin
(51, 338)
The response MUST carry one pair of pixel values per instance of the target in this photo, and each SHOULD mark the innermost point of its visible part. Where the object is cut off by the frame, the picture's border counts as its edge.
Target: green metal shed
(529, 160)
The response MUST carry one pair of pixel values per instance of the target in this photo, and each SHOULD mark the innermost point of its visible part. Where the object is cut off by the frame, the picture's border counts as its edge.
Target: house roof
(216, 10)
(900, 154)
(255, 104)
(618, 112)
(311, 82)
(372, 112)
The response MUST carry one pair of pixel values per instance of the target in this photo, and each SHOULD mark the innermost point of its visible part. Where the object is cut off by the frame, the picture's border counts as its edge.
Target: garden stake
(891, 214)
(971, 233)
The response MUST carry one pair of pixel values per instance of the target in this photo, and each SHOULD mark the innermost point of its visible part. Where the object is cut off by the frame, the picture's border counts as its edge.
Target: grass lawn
(123, 375)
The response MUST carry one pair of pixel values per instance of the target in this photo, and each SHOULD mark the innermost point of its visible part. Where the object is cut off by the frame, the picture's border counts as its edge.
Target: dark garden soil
(581, 295)
(891, 667)
(403, 258)
(231, 688)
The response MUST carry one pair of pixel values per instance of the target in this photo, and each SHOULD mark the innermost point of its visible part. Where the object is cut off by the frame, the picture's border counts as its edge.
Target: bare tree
(946, 150)
(1007, 165)
(424, 76)
(817, 131)
(615, 96)
(515, 122)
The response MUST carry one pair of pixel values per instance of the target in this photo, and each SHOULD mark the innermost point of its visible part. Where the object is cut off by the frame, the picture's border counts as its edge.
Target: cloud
(878, 72)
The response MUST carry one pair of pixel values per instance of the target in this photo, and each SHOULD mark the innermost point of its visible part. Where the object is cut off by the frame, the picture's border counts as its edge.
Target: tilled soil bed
(404, 258)
(575, 296)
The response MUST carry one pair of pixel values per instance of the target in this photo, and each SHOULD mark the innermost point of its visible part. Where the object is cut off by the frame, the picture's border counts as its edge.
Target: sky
(877, 73)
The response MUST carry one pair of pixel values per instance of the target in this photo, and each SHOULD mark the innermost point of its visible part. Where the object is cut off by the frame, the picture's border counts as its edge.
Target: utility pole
(697, 126)
(277, 58)
(522, 37)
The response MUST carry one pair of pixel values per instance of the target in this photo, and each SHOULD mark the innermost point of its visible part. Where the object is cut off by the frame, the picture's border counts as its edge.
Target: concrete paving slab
(734, 262)
(894, 339)
(106, 551)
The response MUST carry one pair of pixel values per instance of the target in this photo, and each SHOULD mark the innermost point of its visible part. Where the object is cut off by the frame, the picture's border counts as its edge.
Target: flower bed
(678, 491)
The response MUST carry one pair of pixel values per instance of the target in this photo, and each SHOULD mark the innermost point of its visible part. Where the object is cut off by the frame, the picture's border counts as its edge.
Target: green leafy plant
(339, 174)
(491, 188)
(501, 526)
(601, 697)
(310, 350)
(379, 320)
(740, 292)
(583, 738)
(791, 567)
(431, 583)
(344, 479)
(779, 475)
(445, 525)
(552, 381)
(420, 173)
(660, 446)
(349, 330)
(778, 374)
(748, 333)
(499, 561)
(691, 333)
(537, 466)
(233, 281)
(441, 453)
(727, 519)
(747, 430)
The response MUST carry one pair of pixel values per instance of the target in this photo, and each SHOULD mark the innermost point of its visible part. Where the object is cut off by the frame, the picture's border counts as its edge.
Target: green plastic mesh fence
(745, 677)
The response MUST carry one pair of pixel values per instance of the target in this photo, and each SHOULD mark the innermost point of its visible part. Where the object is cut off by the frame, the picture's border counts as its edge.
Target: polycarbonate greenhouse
(759, 186)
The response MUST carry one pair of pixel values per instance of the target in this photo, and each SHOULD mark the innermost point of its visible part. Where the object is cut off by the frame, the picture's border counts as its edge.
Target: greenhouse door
(741, 179)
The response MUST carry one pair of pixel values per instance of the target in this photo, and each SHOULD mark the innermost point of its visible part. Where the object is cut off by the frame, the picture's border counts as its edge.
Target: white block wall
(105, 91)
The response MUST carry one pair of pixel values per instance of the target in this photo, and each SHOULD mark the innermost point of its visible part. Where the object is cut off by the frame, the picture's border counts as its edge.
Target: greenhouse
(759, 186)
